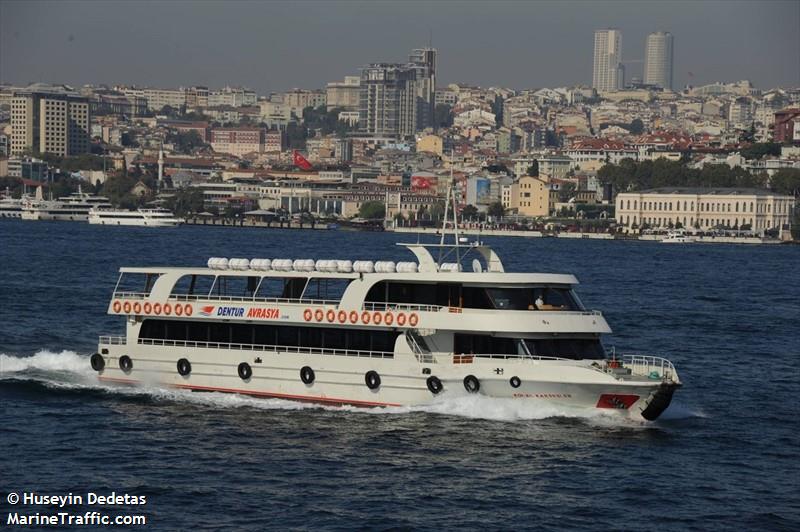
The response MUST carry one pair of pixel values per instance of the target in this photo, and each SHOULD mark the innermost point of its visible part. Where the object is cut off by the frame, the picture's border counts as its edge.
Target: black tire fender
(245, 371)
(372, 379)
(307, 375)
(125, 363)
(472, 384)
(515, 382)
(98, 362)
(434, 384)
(184, 367)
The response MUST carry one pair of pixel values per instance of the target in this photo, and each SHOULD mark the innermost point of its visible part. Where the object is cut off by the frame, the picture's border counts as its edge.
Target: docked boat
(11, 207)
(678, 236)
(74, 208)
(139, 217)
(450, 323)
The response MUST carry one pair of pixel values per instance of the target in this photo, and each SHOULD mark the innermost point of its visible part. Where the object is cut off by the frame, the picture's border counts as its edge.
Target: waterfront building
(608, 74)
(658, 60)
(533, 195)
(343, 95)
(752, 209)
(387, 104)
(52, 122)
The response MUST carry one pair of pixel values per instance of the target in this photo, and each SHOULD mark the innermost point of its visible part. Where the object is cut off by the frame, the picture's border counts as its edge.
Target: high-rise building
(388, 100)
(343, 94)
(608, 74)
(423, 60)
(50, 122)
(658, 60)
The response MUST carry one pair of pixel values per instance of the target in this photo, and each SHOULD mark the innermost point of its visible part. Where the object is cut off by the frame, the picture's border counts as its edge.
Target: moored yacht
(74, 208)
(678, 236)
(375, 333)
(140, 217)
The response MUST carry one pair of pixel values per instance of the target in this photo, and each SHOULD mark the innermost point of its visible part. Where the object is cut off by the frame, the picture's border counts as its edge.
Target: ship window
(234, 286)
(484, 344)
(293, 288)
(193, 285)
(573, 348)
(141, 283)
(322, 288)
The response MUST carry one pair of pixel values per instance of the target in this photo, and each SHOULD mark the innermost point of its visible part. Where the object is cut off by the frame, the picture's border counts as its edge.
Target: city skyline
(276, 46)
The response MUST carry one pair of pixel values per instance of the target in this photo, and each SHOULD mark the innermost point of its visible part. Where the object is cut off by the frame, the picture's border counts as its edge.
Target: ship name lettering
(236, 312)
(264, 313)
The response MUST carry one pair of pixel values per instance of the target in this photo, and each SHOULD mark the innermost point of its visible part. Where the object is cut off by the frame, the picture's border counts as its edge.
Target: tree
(496, 210)
(186, 141)
(786, 181)
(760, 149)
(636, 127)
(469, 211)
(533, 169)
(566, 192)
(372, 210)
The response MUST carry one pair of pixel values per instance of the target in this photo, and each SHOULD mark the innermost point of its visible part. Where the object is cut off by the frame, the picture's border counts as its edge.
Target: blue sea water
(725, 455)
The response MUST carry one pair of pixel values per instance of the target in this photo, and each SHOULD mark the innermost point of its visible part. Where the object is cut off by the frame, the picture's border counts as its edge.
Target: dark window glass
(574, 348)
(193, 285)
(197, 331)
(293, 288)
(220, 332)
(320, 288)
(241, 333)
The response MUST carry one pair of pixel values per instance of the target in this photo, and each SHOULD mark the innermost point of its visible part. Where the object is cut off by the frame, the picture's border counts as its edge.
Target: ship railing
(512, 356)
(266, 347)
(423, 356)
(112, 340)
(650, 366)
(458, 310)
(408, 307)
(130, 295)
(251, 299)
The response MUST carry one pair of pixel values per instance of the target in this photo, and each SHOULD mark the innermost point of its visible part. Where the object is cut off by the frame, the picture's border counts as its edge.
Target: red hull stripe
(304, 398)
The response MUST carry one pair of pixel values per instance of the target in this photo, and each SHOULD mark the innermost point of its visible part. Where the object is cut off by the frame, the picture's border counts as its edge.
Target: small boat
(678, 236)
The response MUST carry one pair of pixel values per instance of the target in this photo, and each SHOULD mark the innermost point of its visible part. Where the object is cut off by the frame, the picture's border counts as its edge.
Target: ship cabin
(363, 308)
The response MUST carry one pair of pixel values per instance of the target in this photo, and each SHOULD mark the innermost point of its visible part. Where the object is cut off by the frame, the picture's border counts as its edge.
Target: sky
(274, 46)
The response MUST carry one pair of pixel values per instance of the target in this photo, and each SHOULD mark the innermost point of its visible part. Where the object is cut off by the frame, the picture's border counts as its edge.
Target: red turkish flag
(420, 182)
(300, 161)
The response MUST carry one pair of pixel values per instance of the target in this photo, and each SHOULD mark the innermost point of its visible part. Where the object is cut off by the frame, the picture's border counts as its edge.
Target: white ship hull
(33, 214)
(341, 379)
(139, 222)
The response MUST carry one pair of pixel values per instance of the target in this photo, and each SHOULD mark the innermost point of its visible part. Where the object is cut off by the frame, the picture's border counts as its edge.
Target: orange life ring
(137, 308)
(401, 319)
(365, 317)
(148, 307)
(377, 317)
(318, 314)
(117, 306)
(353, 316)
(127, 307)
(307, 314)
(330, 315)
(413, 319)
(167, 309)
(388, 318)
(187, 309)
(157, 309)
(342, 316)
(178, 310)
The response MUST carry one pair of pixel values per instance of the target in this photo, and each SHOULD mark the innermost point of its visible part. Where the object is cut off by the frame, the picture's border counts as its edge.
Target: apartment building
(50, 122)
(238, 141)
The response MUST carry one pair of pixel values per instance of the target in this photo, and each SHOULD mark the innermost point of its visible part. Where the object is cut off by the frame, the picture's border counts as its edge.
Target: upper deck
(346, 293)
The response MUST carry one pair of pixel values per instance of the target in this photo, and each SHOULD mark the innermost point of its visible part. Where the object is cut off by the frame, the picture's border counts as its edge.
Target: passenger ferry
(140, 217)
(74, 208)
(11, 207)
(375, 333)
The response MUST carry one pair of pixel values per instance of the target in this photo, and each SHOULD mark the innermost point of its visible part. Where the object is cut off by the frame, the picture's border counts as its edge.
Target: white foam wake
(48, 361)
